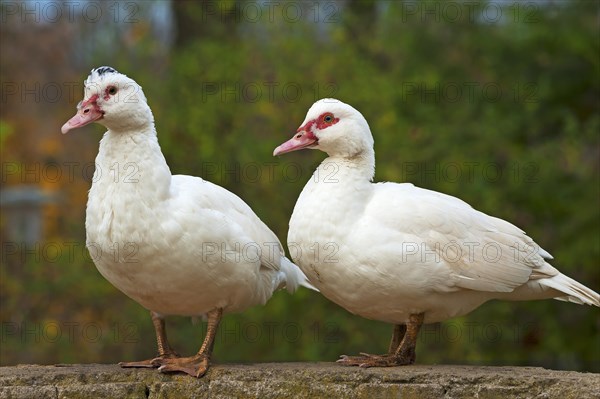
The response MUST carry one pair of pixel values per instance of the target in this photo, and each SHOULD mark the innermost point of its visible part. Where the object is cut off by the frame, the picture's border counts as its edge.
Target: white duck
(402, 254)
(178, 245)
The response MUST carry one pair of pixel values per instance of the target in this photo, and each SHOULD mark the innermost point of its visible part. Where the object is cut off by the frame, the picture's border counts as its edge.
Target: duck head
(333, 127)
(113, 100)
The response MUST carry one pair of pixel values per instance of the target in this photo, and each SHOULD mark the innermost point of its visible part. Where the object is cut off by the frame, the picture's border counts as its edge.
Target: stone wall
(296, 380)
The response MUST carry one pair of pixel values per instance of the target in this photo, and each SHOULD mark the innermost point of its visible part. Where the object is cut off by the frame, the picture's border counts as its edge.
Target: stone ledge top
(296, 380)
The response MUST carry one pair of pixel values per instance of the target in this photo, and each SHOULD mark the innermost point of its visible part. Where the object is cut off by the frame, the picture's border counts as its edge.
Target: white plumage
(399, 250)
(178, 245)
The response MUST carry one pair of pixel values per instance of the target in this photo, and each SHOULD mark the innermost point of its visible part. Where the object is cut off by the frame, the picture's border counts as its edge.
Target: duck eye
(112, 90)
(328, 118)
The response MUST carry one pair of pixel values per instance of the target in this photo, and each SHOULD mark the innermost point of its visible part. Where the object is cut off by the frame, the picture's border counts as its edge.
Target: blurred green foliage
(502, 114)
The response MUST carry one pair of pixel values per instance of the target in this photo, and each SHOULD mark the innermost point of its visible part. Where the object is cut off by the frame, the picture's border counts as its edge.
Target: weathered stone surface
(296, 380)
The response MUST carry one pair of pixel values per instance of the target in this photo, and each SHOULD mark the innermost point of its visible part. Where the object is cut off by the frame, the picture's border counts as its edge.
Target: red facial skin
(107, 94)
(304, 136)
(91, 101)
(87, 112)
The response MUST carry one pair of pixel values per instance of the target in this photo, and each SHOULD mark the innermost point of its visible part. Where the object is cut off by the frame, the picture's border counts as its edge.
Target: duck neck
(132, 160)
(358, 168)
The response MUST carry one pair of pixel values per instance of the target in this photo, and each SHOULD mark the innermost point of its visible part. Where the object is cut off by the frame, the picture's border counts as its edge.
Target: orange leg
(198, 364)
(164, 350)
(399, 353)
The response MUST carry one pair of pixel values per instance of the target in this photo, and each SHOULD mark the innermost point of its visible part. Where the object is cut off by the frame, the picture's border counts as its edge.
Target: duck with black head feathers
(187, 247)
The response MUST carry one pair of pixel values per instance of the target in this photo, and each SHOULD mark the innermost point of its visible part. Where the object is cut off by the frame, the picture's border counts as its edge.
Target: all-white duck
(178, 245)
(399, 253)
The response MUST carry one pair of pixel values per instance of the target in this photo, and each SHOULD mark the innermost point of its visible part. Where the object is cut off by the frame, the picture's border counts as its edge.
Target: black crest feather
(104, 69)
